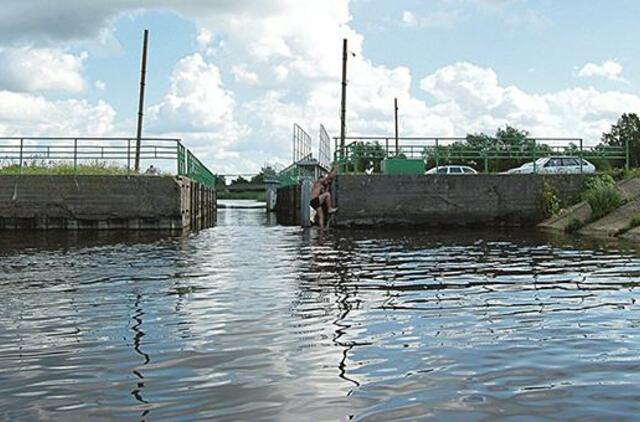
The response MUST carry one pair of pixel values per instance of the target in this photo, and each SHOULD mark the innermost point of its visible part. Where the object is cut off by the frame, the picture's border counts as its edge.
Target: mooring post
(305, 198)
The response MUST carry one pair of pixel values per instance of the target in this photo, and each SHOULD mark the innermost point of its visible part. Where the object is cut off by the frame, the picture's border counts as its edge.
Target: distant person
(321, 196)
(151, 170)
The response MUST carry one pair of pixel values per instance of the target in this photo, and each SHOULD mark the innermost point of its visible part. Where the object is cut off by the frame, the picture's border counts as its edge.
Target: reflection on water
(250, 320)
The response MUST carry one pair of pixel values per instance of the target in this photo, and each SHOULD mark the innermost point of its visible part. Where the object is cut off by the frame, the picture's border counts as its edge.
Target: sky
(231, 77)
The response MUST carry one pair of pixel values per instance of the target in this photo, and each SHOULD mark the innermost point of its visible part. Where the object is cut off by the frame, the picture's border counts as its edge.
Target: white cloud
(204, 38)
(31, 115)
(529, 18)
(609, 69)
(26, 69)
(409, 19)
(198, 109)
(100, 85)
(472, 99)
(446, 18)
(245, 76)
(196, 100)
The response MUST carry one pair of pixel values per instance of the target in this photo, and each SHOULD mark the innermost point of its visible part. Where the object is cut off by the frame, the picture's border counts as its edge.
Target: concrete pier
(449, 200)
(39, 202)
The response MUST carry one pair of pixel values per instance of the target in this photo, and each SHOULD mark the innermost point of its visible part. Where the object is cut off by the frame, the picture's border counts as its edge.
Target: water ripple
(254, 321)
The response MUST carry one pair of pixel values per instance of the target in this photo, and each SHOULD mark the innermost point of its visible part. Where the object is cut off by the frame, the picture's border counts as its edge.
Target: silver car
(453, 169)
(555, 165)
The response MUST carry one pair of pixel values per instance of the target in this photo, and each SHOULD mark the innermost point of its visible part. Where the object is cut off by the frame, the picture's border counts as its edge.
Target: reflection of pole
(143, 75)
(343, 105)
(395, 110)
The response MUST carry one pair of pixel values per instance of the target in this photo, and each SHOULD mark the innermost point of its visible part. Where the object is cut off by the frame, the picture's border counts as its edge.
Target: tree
(239, 181)
(267, 172)
(510, 147)
(221, 182)
(366, 156)
(627, 129)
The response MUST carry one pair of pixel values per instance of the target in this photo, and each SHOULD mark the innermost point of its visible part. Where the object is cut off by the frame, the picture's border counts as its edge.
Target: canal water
(254, 321)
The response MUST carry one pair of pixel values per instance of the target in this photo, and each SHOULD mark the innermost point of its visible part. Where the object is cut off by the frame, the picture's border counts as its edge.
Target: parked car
(454, 169)
(555, 165)
(523, 169)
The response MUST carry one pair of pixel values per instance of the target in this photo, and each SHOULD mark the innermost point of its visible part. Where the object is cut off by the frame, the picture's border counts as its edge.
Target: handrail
(445, 149)
(121, 151)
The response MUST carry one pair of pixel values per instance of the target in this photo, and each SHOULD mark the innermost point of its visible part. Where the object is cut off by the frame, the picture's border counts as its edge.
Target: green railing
(99, 156)
(361, 152)
(289, 176)
(191, 167)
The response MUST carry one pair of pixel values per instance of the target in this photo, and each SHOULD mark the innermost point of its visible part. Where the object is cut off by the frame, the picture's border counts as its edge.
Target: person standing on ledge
(321, 196)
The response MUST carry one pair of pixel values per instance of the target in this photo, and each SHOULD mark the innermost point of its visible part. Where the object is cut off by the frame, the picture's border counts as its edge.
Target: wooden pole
(143, 76)
(343, 106)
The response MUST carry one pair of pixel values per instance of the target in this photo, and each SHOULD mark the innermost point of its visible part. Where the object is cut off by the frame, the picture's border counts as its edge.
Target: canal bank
(88, 202)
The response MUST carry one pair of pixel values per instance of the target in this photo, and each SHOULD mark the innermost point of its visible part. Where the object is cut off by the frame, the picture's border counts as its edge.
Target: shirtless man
(321, 195)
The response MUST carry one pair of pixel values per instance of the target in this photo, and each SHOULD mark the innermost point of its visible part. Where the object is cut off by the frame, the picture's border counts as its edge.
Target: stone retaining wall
(495, 200)
(104, 203)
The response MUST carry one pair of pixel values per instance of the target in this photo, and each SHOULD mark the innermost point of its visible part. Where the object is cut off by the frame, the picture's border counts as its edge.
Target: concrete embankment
(448, 200)
(616, 223)
(104, 202)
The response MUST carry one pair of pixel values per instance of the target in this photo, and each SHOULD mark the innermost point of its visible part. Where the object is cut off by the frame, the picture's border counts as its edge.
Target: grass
(601, 194)
(95, 168)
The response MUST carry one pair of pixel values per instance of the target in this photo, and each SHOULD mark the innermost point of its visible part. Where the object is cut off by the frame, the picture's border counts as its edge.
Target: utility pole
(143, 76)
(395, 110)
(343, 107)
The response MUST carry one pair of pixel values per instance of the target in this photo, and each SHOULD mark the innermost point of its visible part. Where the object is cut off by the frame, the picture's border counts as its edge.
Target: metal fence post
(20, 155)
(533, 156)
(75, 155)
(486, 161)
(437, 160)
(627, 155)
(128, 156)
(580, 157)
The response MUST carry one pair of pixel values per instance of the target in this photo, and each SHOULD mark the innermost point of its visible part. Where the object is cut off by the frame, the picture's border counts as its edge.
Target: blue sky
(231, 77)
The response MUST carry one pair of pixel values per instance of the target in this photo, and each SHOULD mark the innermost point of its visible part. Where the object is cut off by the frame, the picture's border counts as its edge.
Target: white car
(451, 170)
(526, 168)
(555, 165)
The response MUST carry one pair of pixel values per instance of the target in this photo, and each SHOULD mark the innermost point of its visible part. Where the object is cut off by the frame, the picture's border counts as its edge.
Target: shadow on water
(251, 320)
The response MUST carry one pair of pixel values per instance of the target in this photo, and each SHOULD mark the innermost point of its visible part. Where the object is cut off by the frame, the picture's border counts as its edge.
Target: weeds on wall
(550, 201)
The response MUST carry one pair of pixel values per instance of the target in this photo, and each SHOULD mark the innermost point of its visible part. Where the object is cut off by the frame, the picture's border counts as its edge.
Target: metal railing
(442, 151)
(84, 153)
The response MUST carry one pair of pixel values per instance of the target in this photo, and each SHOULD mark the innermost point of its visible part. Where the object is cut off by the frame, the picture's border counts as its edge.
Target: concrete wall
(104, 202)
(288, 205)
(448, 199)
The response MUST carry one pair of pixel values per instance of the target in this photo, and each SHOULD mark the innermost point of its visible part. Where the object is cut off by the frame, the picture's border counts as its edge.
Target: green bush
(601, 194)
(550, 201)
